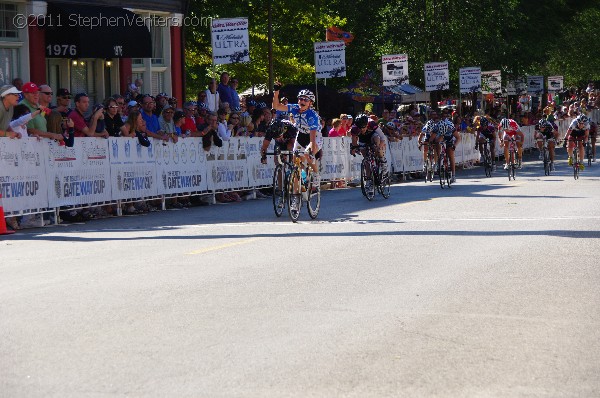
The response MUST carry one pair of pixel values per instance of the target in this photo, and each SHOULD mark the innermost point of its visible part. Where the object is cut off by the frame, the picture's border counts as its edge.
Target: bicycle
(373, 177)
(488, 160)
(588, 150)
(429, 163)
(302, 185)
(546, 156)
(512, 158)
(280, 179)
(444, 169)
(576, 162)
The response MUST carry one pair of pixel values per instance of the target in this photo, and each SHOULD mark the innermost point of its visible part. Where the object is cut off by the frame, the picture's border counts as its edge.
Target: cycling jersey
(575, 126)
(486, 132)
(289, 132)
(547, 132)
(513, 128)
(305, 122)
(431, 127)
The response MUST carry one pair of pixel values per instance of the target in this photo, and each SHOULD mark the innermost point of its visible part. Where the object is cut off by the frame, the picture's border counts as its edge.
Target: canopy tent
(367, 89)
(260, 89)
(410, 93)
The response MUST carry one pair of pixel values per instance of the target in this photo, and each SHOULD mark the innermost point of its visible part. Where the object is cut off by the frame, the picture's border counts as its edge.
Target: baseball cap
(131, 104)
(178, 115)
(8, 89)
(63, 92)
(30, 87)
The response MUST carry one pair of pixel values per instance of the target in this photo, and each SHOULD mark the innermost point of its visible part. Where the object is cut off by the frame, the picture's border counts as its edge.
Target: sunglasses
(120, 103)
(234, 118)
(114, 106)
(65, 97)
(168, 112)
(303, 99)
(47, 92)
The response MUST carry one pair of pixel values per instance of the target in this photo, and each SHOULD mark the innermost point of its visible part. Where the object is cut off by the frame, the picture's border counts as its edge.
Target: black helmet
(277, 128)
(483, 122)
(361, 121)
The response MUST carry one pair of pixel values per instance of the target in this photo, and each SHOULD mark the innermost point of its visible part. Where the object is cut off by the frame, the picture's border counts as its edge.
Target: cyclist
(578, 132)
(428, 136)
(548, 130)
(284, 134)
(510, 129)
(448, 133)
(367, 132)
(485, 130)
(306, 121)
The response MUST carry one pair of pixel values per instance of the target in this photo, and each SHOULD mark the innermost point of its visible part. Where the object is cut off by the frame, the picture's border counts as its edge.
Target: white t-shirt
(212, 101)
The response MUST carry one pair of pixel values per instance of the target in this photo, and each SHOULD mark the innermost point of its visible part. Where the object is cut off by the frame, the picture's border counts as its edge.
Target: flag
(333, 33)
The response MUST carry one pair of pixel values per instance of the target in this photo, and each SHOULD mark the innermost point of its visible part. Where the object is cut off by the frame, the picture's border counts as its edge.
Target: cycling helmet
(390, 125)
(307, 94)
(544, 124)
(237, 109)
(583, 119)
(202, 105)
(483, 122)
(251, 103)
(505, 123)
(361, 121)
(277, 128)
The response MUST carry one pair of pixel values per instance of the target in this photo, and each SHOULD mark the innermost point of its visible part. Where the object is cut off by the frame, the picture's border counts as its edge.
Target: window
(8, 65)
(156, 32)
(7, 27)
(158, 82)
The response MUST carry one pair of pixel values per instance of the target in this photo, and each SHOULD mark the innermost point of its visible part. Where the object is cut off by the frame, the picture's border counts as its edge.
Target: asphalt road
(489, 289)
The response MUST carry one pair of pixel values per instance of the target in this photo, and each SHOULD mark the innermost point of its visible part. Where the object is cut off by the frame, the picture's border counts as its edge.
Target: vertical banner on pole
(535, 85)
(470, 80)
(555, 83)
(330, 59)
(491, 82)
(230, 42)
(437, 76)
(394, 69)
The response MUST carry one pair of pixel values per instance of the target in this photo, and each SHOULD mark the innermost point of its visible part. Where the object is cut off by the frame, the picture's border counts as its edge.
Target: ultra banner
(470, 80)
(437, 76)
(230, 43)
(491, 82)
(23, 174)
(330, 59)
(80, 174)
(395, 69)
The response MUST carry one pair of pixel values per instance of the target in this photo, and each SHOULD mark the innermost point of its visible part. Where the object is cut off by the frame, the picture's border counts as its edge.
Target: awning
(74, 31)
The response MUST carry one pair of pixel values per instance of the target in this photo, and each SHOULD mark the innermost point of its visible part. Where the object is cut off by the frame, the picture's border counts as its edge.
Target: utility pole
(270, 33)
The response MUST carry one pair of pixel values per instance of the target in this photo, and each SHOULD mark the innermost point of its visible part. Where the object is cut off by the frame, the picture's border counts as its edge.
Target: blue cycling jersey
(305, 121)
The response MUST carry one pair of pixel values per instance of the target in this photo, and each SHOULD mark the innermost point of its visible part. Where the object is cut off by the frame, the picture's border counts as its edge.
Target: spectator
(282, 114)
(209, 132)
(10, 98)
(256, 119)
(131, 106)
(225, 92)
(234, 125)
(328, 126)
(212, 96)
(223, 130)
(167, 124)
(161, 103)
(112, 119)
(21, 116)
(18, 83)
(336, 130)
(134, 89)
(59, 125)
(178, 121)
(235, 98)
(37, 125)
(63, 102)
(120, 101)
(189, 126)
(83, 128)
(201, 112)
(152, 126)
(45, 96)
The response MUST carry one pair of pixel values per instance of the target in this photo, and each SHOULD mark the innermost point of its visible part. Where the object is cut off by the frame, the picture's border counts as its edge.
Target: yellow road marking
(226, 245)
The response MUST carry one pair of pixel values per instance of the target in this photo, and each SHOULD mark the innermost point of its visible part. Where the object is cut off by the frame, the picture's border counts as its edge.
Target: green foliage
(519, 37)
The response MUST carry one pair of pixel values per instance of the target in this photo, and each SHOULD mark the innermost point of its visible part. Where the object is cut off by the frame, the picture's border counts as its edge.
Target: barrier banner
(467, 153)
(230, 43)
(23, 182)
(394, 157)
(78, 175)
(181, 166)
(224, 170)
(353, 162)
(133, 168)
(333, 166)
(259, 174)
(413, 157)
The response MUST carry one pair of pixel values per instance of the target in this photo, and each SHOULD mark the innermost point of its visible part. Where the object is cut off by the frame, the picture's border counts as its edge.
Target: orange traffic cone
(3, 229)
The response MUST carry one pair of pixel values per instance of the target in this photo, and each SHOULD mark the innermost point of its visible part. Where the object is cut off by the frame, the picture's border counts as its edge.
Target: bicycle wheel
(279, 190)
(588, 153)
(366, 180)
(428, 170)
(575, 164)
(510, 163)
(487, 161)
(546, 162)
(385, 185)
(313, 204)
(442, 171)
(294, 197)
(448, 172)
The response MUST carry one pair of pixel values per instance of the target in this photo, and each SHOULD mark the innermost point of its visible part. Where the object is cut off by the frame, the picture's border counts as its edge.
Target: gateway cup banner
(395, 69)
(181, 166)
(80, 174)
(330, 59)
(437, 76)
(133, 168)
(470, 80)
(230, 43)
